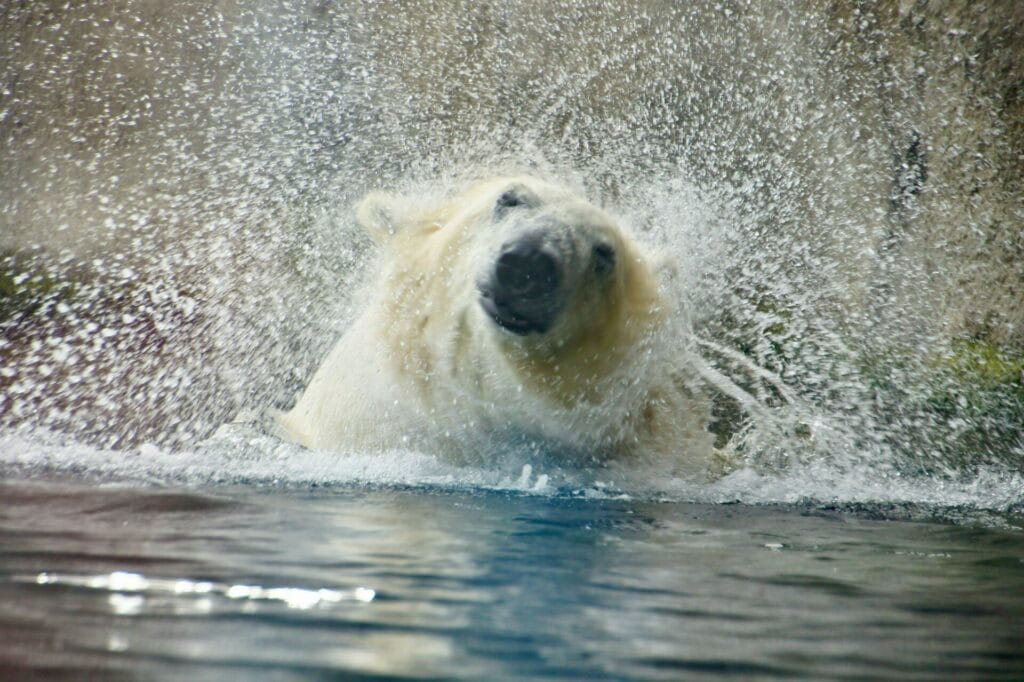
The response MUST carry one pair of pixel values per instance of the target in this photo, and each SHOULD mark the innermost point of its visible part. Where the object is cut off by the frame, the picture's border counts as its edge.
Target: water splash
(841, 187)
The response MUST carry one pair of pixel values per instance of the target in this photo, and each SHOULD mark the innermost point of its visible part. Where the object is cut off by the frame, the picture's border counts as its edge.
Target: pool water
(108, 579)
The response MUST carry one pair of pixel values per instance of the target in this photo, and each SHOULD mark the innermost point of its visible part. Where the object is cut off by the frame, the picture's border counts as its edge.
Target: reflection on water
(286, 584)
(121, 582)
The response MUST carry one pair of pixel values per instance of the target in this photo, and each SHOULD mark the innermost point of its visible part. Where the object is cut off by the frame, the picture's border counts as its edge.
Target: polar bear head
(525, 263)
(551, 263)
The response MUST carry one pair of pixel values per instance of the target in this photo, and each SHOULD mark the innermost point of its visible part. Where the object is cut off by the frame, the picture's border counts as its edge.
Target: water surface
(117, 580)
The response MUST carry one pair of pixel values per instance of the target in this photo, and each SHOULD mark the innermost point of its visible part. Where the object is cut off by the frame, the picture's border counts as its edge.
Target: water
(116, 582)
(840, 186)
(247, 558)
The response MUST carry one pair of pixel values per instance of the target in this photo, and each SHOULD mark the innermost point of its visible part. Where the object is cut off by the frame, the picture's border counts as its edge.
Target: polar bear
(517, 312)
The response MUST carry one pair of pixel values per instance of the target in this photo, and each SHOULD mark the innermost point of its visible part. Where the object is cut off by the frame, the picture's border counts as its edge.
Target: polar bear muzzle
(524, 291)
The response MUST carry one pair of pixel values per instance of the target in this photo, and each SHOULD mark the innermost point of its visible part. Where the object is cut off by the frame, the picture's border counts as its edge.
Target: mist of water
(841, 186)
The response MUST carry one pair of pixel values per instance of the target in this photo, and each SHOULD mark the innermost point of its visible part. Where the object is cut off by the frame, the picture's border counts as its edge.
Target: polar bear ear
(381, 215)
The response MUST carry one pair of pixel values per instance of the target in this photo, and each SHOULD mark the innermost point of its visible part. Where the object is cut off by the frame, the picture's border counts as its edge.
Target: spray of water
(841, 186)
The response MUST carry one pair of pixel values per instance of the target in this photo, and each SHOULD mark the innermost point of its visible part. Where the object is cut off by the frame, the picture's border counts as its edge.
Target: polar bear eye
(513, 198)
(604, 259)
(510, 198)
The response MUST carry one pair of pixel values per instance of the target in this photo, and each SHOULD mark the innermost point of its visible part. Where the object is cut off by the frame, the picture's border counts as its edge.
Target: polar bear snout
(527, 270)
(523, 293)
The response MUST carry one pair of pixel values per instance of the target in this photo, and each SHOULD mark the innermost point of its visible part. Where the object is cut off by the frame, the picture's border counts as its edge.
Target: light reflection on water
(120, 582)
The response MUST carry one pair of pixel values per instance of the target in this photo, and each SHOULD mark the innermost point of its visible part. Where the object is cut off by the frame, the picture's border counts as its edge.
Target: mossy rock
(955, 410)
(25, 291)
(981, 363)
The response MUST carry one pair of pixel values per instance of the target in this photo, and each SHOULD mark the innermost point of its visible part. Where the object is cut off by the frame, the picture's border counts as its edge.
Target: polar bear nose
(526, 270)
(523, 292)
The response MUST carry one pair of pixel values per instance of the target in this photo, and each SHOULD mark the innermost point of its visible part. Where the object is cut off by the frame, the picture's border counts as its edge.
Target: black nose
(523, 293)
(526, 271)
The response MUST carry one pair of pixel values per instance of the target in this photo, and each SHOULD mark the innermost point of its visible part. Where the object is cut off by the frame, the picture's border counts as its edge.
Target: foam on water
(260, 460)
